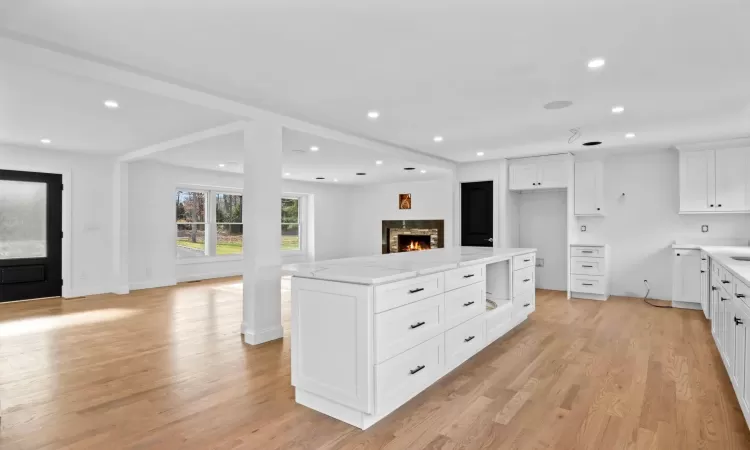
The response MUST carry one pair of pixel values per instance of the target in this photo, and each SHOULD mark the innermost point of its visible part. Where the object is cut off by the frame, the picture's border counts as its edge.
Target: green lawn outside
(287, 243)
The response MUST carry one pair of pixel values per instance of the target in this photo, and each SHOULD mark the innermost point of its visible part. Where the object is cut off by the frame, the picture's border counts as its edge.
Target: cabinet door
(738, 372)
(697, 181)
(729, 330)
(585, 188)
(552, 174)
(745, 397)
(523, 175)
(687, 276)
(731, 179)
(714, 312)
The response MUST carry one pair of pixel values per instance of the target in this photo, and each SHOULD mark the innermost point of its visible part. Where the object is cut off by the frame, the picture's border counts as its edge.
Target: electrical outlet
(704, 228)
(583, 227)
(540, 262)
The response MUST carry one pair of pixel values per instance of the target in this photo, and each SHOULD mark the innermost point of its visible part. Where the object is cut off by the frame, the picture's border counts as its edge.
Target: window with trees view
(191, 223)
(290, 228)
(208, 223)
(228, 224)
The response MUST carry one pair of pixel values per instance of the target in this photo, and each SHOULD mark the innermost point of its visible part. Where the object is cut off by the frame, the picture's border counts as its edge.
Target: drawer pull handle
(723, 299)
(588, 266)
(526, 260)
(414, 291)
(469, 304)
(587, 251)
(527, 280)
(703, 259)
(413, 371)
(713, 288)
(738, 321)
(739, 295)
(469, 275)
(725, 281)
(526, 304)
(469, 339)
(703, 271)
(587, 284)
(417, 325)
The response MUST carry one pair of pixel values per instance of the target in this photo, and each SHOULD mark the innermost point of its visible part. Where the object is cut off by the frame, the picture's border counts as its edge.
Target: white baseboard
(584, 296)
(208, 276)
(261, 336)
(687, 305)
(152, 284)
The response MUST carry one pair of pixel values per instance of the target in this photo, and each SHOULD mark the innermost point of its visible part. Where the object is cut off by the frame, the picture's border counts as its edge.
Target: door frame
(67, 287)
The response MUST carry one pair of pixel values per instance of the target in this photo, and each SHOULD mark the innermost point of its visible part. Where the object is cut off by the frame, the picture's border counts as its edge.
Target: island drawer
(741, 291)
(464, 303)
(393, 295)
(402, 328)
(591, 252)
(464, 276)
(404, 376)
(524, 304)
(587, 266)
(523, 280)
(523, 261)
(463, 341)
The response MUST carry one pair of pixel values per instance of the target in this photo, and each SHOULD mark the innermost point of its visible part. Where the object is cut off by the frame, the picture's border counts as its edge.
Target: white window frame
(302, 220)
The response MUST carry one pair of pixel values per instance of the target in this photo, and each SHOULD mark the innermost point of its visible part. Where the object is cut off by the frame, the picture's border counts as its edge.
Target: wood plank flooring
(166, 369)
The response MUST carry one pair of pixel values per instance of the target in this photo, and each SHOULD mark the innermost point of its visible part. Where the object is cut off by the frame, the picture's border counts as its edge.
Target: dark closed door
(30, 235)
(476, 214)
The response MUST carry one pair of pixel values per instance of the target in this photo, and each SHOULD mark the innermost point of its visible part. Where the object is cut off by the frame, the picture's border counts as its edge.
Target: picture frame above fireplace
(404, 201)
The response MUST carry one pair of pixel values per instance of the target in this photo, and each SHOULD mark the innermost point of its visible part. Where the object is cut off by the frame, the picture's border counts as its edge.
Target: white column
(120, 277)
(261, 216)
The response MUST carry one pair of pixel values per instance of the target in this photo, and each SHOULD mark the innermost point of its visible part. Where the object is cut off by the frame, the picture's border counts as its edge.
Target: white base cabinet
(686, 278)
(361, 351)
(589, 275)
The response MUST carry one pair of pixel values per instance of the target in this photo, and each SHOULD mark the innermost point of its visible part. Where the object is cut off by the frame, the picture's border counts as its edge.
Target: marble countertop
(723, 255)
(379, 269)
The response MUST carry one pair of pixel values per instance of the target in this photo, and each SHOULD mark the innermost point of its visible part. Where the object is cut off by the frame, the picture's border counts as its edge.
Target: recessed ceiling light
(379, 162)
(630, 135)
(314, 149)
(596, 63)
(618, 109)
(287, 174)
(335, 180)
(592, 143)
(423, 171)
(45, 141)
(480, 153)
(438, 139)
(373, 114)
(221, 165)
(111, 104)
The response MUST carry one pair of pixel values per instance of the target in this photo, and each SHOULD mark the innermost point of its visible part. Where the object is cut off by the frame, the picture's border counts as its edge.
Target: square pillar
(261, 234)
(120, 208)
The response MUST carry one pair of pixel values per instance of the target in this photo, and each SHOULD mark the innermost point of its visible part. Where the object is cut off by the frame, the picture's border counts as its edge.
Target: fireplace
(412, 235)
(413, 243)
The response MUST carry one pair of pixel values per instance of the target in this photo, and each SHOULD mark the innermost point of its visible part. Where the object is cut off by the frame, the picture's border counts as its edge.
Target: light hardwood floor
(166, 369)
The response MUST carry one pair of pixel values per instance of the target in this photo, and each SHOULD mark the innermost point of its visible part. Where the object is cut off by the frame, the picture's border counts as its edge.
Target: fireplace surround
(397, 235)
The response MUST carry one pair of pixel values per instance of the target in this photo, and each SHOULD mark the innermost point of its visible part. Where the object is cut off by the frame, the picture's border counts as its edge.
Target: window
(209, 223)
(290, 226)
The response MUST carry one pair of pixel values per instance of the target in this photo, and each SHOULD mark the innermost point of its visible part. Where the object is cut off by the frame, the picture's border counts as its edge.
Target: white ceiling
(475, 72)
(37, 104)
(333, 160)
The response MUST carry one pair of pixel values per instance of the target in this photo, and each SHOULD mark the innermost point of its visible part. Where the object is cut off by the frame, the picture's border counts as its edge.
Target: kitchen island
(370, 333)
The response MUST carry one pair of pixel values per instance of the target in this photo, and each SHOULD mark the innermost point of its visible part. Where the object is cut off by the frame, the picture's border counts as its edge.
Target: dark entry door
(30, 235)
(476, 214)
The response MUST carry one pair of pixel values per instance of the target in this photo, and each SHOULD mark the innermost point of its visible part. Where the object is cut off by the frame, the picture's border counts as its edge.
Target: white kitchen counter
(379, 269)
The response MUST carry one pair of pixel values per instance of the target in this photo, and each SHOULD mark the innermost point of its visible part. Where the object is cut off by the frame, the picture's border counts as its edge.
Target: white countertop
(379, 269)
(723, 255)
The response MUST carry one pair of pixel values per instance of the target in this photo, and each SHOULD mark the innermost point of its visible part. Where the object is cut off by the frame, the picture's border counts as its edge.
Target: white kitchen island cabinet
(370, 333)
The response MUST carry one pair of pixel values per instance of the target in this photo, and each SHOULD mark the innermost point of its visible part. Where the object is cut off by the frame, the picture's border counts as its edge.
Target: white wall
(641, 225)
(152, 259)
(543, 219)
(90, 233)
(370, 205)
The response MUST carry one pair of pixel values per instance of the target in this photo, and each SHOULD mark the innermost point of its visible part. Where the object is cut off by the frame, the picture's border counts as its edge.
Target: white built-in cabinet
(715, 180)
(544, 172)
(686, 279)
(589, 188)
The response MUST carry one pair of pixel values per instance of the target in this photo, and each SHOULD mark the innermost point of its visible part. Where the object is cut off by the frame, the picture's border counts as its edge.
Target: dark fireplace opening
(413, 243)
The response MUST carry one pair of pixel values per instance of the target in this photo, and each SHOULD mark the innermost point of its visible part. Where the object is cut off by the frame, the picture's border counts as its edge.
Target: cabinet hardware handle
(739, 295)
(738, 321)
(469, 275)
(526, 304)
(711, 205)
(526, 260)
(719, 205)
(417, 325)
(703, 271)
(587, 251)
(527, 279)
(539, 184)
(703, 259)
(678, 254)
(725, 281)
(713, 288)
(414, 291)
(533, 184)
(598, 209)
(413, 371)
(587, 266)
(469, 304)
(723, 299)
(468, 338)
(587, 284)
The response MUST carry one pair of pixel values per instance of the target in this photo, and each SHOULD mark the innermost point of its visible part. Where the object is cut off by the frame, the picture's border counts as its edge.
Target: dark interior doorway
(30, 235)
(477, 210)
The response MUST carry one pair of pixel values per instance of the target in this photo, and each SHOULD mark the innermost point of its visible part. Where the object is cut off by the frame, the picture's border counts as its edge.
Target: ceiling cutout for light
(221, 165)
(314, 148)
(423, 171)
(45, 141)
(480, 153)
(286, 174)
(373, 114)
(438, 139)
(630, 135)
(379, 162)
(558, 104)
(111, 104)
(618, 109)
(592, 143)
(596, 63)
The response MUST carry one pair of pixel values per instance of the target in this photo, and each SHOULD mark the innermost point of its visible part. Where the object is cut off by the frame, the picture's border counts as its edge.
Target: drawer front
(464, 276)
(497, 321)
(587, 284)
(715, 275)
(523, 281)
(726, 280)
(523, 261)
(402, 328)
(741, 291)
(393, 295)
(464, 341)
(704, 261)
(463, 304)
(587, 266)
(524, 304)
(401, 378)
(591, 252)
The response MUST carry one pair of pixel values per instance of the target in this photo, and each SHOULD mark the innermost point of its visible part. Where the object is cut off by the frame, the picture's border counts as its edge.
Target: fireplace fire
(413, 243)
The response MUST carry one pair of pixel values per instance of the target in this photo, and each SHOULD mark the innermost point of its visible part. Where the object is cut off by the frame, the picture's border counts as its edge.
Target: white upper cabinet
(545, 172)
(589, 188)
(714, 180)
